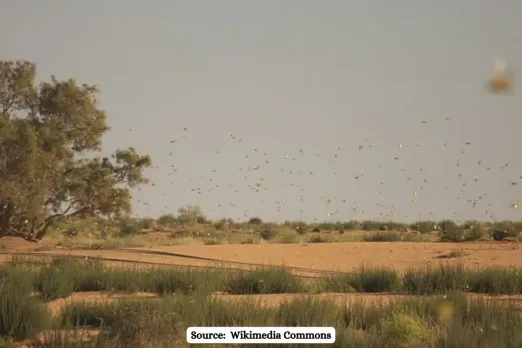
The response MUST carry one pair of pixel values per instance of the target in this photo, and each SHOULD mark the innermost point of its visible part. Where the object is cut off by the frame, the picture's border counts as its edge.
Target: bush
(299, 226)
(55, 281)
(267, 231)
(288, 237)
(376, 279)
(350, 225)
(129, 227)
(317, 238)
(370, 225)
(327, 226)
(255, 221)
(474, 233)
(21, 315)
(423, 226)
(429, 280)
(450, 231)
(383, 237)
(191, 214)
(499, 235)
(269, 281)
(405, 330)
(496, 281)
(364, 279)
(167, 220)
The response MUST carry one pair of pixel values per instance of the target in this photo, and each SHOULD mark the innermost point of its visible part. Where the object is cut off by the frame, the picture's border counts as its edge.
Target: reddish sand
(324, 256)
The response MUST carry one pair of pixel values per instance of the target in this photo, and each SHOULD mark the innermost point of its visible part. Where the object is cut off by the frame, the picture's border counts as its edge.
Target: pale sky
(296, 74)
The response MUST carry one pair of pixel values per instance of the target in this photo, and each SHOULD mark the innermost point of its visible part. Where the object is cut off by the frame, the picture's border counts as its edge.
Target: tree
(50, 135)
(191, 214)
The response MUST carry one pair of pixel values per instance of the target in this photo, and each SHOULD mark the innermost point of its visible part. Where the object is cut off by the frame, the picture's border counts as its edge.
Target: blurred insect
(501, 79)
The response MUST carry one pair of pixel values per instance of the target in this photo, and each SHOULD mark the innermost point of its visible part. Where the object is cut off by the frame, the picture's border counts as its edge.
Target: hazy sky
(290, 75)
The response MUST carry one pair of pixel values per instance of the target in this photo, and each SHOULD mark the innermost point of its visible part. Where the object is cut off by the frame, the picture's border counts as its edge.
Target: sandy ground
(305, 259)
(269, 300)
(302, 257)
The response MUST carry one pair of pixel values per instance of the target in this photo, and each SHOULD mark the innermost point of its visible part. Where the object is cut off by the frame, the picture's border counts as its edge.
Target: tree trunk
(5, 219)
(42, 230)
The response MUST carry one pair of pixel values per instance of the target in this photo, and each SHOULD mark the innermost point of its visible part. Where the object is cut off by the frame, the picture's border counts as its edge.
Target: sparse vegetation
(187, 301)
(170, 229)
(383, 237)
(190, 225)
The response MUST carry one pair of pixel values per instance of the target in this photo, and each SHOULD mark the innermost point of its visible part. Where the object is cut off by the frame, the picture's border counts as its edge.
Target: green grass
(404, 323)
(364, 279)
(157, 321)
(264, 281)
(63, 276)
(21, 316)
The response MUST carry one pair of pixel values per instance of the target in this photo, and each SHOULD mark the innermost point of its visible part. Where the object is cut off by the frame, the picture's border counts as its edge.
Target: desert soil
(306, 259)
(324, 256)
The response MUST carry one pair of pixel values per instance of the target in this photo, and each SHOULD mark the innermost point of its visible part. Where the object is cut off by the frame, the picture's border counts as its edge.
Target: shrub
(21, 315)
(429, 280)
(327, 226)
(267, 231)
(474, 233)
(496, 281)
(376, 279)
(383, 237)
(288, 237)
(299, 226)
(267, 281)
(316, 238)
(499, 235)
(350, 225)
(191, 214)
(53, 282)
(255, 221)
(405, 330)
(167, 220)
(370, 225)
(129, 227)
(423, 226)
(450, 231)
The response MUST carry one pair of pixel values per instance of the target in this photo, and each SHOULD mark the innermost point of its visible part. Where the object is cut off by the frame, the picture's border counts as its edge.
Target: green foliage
(429, 280)
(45, 132)
(264, 281)
(468, 231)
(496, 281)
(316, 238)
(450, 231)
(167, 220)
(404, 323)
(129, 227)
(56, 281)
(255, 221)
(383, 237)
(405, 330)
(423, 226)
(288, 237)
(370, 225)
(299, 226)
(267, 231)
(191, 214)
(21, 315)
(364, 279)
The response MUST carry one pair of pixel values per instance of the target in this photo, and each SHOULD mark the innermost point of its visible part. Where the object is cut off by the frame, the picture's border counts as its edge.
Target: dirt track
(303, 259)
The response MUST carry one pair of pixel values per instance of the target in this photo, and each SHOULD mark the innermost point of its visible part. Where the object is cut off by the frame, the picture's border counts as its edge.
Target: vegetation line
(318, 272)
